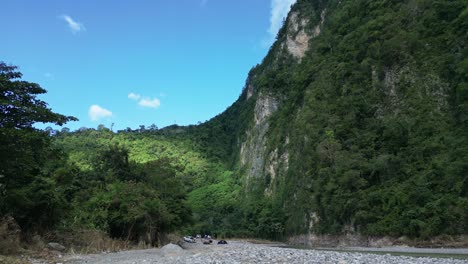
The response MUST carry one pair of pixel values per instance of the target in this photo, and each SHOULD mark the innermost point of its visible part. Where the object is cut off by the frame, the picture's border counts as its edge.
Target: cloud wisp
(148, 102)
(96, 112)
(74, 26)
(145, 101)
(279, 10)
(134, 96)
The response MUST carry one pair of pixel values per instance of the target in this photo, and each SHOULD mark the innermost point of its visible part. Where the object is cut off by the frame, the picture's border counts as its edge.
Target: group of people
(206, 239)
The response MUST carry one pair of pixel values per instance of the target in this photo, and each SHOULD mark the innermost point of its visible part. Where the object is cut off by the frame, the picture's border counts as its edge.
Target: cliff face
(256, 159)
(253, 149)
(357, 119)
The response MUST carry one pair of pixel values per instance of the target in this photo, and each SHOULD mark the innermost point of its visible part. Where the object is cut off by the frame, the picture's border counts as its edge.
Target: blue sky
(138, 62)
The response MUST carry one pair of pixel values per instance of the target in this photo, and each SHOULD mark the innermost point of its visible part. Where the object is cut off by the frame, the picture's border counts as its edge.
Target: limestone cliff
(257, 160)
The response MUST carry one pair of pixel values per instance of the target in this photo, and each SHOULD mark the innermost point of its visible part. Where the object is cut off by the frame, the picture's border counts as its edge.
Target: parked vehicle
(189, 239)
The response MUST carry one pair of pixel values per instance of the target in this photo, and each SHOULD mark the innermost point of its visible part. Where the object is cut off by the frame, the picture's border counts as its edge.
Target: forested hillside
(371, 119)
(354, 123)
(209, 185)
(361, 114)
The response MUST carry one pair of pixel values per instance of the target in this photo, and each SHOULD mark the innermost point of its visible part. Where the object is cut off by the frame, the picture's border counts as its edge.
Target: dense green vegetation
(376, 113)
(373, 120)
(213, 191)
(44, 189)
(26, 191)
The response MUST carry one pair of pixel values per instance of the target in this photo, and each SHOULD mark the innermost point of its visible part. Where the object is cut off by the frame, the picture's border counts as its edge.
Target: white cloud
(96, 112)
(74, 26)
(134, 96)
(148, 102)
(279, 10)
(145, 101)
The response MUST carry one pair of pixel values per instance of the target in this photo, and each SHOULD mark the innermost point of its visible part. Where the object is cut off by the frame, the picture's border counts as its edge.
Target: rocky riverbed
(246, 252)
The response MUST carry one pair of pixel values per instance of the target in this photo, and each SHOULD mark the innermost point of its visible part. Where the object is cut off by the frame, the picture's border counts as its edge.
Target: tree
(24, 150)
(112, 163)
(65, 130)
(19, 107)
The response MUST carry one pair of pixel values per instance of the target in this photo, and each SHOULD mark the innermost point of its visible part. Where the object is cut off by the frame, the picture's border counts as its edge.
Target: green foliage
(27, 192)
(377, 142)
(129, 210)
(215, 206)
(19, 107)
(131, 201)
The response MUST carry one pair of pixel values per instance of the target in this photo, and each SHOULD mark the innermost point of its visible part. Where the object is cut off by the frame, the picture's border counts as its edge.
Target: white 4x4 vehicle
(189, 239)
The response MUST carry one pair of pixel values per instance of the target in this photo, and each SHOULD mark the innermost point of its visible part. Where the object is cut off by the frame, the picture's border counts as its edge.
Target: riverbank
(356, 240)
(247, 252)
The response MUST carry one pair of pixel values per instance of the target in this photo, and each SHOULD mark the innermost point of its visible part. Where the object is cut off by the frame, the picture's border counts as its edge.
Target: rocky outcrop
(276, 165)
(297, 39)
(252, 152)
(424, 86)
(265, 106)
(250, 90)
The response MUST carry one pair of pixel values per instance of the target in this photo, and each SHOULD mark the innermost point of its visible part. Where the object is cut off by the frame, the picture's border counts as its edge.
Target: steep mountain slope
(355, 122)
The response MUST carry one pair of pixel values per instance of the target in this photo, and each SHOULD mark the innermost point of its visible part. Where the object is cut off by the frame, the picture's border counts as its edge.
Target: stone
(56, 246)
(171, 250)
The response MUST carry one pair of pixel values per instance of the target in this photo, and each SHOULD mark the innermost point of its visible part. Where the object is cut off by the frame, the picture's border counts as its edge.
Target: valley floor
(246, 252)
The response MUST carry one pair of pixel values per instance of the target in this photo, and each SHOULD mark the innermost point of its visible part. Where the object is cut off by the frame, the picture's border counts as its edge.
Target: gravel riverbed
(245, 252)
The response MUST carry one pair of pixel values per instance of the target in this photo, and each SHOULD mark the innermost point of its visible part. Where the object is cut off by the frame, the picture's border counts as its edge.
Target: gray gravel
(399, 249)
(245, 252)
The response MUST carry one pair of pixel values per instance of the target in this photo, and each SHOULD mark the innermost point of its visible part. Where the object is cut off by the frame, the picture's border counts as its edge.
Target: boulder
(56, 246)
(171, 250)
